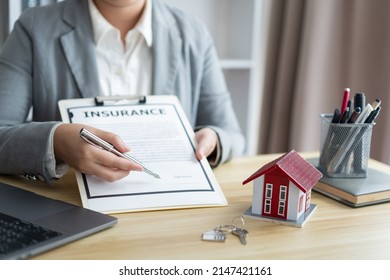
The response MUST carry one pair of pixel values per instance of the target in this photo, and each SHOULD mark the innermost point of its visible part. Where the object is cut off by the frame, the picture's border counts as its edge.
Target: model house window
(267, 206)
(308, 196)
(282, 193)
(281, 208)
(282, 200)
(300, 204)
(267, 200)
(268, 190)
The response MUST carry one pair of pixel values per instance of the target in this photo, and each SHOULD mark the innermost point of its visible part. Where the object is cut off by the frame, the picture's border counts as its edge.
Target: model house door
(275, 196)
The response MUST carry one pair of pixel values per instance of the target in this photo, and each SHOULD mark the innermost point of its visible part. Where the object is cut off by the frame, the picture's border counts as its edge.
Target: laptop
(31, 224)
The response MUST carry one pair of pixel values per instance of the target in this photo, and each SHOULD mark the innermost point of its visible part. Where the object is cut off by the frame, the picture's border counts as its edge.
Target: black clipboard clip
(105, 100)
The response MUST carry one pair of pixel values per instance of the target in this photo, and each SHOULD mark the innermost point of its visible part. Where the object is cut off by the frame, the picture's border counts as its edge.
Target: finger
(203, 150)
(113, 161)
(206, 139)
(199, 153)
(109, 174)
(109, 167)
(114, 140)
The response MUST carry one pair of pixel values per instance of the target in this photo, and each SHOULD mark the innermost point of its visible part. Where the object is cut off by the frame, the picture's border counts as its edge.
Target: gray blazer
(50, 55)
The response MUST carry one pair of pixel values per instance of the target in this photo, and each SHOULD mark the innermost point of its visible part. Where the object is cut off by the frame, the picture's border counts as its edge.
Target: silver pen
(100, 143)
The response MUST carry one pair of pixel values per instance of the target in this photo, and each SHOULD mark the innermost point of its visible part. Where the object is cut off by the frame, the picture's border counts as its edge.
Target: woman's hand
(86, 158)
(207, 140)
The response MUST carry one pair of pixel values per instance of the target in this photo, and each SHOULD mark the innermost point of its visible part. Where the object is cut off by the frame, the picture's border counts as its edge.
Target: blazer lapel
(166, 51)
(79, 48)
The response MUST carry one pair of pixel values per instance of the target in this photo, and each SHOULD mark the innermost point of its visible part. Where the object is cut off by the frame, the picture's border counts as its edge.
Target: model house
(282, 189)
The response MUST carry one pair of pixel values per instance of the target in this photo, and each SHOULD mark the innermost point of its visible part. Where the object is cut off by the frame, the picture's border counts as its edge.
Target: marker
(376, 104)
(350, 111)
(359, 101)
(355, 115)
(371, 118)
(344, 103)
(336, 115)
(344, 116)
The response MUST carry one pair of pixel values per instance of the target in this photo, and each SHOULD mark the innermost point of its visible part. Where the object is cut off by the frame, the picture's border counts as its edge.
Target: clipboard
(160, 135)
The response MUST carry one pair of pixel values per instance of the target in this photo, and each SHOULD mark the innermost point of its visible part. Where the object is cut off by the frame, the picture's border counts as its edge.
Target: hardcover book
(356, 192)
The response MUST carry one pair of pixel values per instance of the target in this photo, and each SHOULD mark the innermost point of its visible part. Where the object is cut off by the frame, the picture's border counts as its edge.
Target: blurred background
(288, 61)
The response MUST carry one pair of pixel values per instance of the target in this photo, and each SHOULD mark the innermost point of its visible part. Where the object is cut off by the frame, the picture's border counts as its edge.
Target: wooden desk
(334, 231)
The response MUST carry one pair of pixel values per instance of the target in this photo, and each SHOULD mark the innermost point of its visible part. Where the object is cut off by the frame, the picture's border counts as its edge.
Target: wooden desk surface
(334, 231)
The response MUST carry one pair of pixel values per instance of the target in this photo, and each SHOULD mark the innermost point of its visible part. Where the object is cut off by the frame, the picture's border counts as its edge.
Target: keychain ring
(241, 219)
(225, 228)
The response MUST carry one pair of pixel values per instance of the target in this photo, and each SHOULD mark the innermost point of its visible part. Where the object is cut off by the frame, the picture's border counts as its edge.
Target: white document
(159, 136)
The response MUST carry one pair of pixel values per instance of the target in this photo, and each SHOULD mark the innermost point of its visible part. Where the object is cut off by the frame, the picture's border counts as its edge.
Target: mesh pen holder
(345, 148)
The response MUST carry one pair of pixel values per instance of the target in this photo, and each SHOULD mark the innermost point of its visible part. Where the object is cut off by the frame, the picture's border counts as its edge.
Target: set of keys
(220, 232)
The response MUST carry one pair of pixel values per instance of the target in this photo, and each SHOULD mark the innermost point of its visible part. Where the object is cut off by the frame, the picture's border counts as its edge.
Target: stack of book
(357, 192)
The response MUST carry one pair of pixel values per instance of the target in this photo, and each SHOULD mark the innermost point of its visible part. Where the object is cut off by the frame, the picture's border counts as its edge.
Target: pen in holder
(345, 148)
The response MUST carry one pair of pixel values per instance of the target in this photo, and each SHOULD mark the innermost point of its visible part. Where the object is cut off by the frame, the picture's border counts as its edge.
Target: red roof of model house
(297, 169)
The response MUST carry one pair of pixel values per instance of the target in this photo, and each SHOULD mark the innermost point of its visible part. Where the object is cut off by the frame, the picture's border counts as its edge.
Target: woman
(86, 48)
